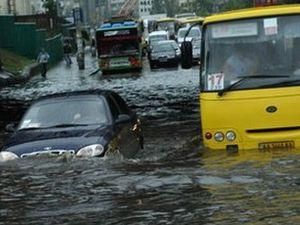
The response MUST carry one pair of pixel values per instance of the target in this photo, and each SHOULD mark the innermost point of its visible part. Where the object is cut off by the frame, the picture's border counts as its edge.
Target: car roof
(160, 32)
(167, 41)
(163, 43)
(268, 11)
(94, 92)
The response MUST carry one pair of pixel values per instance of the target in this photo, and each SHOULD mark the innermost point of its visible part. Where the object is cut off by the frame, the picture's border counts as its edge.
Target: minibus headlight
(230, 136)
(219, 136)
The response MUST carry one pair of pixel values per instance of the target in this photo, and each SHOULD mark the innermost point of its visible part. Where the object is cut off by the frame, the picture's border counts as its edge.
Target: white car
(194, 34)
(157, 36)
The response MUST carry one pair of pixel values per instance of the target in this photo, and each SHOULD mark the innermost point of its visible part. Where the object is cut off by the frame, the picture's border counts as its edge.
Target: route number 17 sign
(215, 81)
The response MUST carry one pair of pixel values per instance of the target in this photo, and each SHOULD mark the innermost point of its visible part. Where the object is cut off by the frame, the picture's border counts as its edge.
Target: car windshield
(167, 26)
(255, 47)
(163, 47)
(65, 113)
(194, 33)
(157, 38)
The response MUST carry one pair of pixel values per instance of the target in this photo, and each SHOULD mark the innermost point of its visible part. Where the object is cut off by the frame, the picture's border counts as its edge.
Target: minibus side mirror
(186, 55)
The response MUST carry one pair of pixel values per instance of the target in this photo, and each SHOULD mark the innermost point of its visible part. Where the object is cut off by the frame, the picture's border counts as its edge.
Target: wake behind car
(81, 123)
(165, 53)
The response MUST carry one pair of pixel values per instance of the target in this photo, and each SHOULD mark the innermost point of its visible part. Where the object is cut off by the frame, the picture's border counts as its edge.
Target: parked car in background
(81, 123)
(194, 34)
(164, 53)
(175, 46)
(155, 37)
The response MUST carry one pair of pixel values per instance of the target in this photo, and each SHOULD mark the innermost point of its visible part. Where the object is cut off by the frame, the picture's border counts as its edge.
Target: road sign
(77, 15)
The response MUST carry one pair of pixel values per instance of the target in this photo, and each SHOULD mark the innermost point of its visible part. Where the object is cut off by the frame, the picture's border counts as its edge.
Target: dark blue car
(82, 123)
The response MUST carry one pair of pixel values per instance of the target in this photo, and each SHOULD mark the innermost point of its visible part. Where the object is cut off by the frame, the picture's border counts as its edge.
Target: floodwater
(172, 181)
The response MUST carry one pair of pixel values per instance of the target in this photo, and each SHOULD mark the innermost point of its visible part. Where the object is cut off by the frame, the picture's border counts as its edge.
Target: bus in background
(250, 79)
(187, 22)
(119, 46)
(171, 25)
(185, 15)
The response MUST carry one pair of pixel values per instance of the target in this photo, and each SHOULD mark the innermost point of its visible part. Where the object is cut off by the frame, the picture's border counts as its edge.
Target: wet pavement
(172, 181)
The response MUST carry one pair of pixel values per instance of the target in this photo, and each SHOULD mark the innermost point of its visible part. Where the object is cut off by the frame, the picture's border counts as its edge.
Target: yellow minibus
(250, 78)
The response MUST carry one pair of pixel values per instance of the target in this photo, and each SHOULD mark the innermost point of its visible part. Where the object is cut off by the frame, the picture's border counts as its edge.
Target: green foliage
(236, 4)
(158, 6)
(203, 7)
(207, 7)
(51, 8)
(14, 62)
(172, 7)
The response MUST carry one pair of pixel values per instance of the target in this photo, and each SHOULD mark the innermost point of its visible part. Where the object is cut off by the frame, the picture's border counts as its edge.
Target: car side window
(113, 107)
(123, 108)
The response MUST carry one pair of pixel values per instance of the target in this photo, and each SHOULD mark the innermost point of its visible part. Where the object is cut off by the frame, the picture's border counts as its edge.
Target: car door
(127, 137)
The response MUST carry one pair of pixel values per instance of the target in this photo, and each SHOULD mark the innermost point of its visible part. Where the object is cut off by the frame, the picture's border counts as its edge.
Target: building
(115, 6)
(145, 7)
(21, 7)
(92, 11)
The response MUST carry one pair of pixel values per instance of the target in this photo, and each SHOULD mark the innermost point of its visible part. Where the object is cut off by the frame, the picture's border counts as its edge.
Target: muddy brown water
(172, 181)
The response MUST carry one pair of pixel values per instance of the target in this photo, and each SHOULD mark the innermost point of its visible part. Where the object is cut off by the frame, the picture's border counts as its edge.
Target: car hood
(180, 40)
(164, 54)
(28, 141)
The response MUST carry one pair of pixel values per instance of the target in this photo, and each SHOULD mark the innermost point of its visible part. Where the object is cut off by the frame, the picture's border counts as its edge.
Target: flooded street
(172, 181)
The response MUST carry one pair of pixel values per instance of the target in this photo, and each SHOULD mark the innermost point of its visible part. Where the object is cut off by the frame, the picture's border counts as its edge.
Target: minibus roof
(166, 19)
(192, 19)
(266, 11)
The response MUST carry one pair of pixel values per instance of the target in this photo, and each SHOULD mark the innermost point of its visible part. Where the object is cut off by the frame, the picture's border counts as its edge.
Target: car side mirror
(11, 127)
(186, 55)
(123, 118)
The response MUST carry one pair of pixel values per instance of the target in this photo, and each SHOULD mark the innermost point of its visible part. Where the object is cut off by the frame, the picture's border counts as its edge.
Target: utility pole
(77, 14)
(11, 7)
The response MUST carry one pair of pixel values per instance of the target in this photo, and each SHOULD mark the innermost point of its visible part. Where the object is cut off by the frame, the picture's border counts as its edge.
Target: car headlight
(90, 151)
(6, 156)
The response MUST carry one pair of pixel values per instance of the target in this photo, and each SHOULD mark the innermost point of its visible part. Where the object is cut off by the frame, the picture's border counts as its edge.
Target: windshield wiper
(31, 128)
(55, 126)
(67, 125)
(243, 78)
(282, 83)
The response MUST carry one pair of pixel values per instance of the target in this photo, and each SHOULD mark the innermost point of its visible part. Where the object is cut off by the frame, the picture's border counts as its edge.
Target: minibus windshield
(253, 47)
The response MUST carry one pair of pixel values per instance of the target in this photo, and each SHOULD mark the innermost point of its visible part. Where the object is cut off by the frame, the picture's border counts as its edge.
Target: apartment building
(21, 7)
(145, 7)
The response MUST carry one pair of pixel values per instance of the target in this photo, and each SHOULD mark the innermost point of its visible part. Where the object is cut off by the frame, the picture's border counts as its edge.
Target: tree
(236, 4)
(51, 7)
(158, 6)
(203, 7)
(172, 7)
